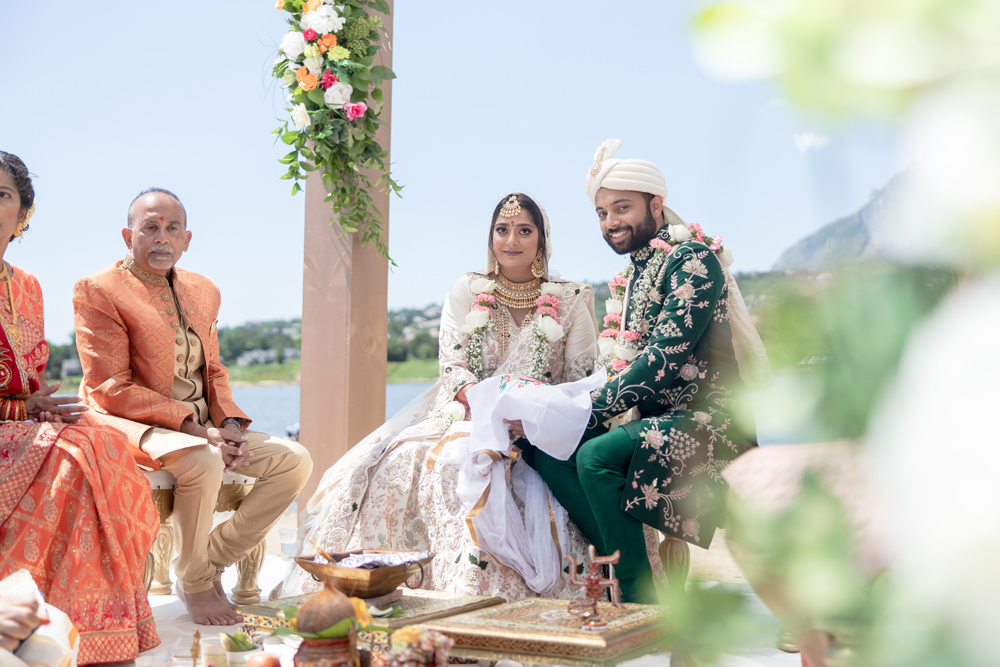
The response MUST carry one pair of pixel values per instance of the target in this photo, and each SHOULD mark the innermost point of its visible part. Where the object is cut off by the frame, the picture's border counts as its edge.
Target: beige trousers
(281, 468)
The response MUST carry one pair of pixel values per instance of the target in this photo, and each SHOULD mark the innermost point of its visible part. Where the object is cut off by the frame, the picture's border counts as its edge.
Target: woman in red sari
(74, 510)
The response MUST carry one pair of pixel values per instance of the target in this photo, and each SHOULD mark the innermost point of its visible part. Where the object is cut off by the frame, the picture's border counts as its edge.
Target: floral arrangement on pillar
(327, 62)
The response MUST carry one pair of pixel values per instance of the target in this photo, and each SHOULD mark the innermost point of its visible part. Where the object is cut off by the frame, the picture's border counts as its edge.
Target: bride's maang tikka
(511, 208)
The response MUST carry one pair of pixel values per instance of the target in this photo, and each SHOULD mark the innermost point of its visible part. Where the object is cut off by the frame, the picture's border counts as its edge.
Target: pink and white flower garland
(545, 331)
(620, 342)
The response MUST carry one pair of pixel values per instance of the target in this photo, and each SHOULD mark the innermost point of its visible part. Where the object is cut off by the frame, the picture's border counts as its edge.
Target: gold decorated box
(541, 631)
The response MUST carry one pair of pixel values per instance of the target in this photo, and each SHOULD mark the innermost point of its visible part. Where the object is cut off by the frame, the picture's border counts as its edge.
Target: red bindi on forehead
(161, 217)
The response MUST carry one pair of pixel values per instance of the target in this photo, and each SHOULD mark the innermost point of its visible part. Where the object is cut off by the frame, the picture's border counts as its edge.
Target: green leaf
(381, 6)
(341, 629)
(473, 560)
(384, 72)
(290, 611)
(290, 137)
(295, 189)
(288, 632)
(377, 94)
(316, 95)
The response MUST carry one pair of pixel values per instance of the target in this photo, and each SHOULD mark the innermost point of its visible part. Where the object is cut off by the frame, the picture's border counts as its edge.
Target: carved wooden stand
(157, 575)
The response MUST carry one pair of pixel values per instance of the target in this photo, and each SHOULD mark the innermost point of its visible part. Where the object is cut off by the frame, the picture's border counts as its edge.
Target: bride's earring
(538, 265)
(496, 266)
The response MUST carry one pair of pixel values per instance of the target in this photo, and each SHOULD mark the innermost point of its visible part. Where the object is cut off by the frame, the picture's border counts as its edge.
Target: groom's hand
(516, 428)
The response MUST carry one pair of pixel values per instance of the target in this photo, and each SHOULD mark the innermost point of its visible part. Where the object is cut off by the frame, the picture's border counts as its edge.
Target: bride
(387, 492)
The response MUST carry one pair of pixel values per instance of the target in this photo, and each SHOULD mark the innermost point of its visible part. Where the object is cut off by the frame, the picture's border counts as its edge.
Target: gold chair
(232, 492)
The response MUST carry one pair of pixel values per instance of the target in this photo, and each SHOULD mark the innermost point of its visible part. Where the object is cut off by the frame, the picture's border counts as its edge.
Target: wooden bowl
(361, 582)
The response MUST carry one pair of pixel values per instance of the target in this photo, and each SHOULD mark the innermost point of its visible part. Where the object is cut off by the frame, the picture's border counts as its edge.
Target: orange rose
(311, 6)
(306, 80)
(309, 81)
(326, 42)
(280, 4)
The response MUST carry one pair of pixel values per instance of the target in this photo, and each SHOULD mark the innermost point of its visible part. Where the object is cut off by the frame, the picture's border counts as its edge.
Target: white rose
(455, 410)
(624, 352)
(553, 289)
(482, 286)
(323, 19)
(337, 95)
(314, 65)
(553, 330)
(725, 257)
(293, 44)
(300, 116)
(606, 345)
(679, 233)
(477, 318)
(613, 306)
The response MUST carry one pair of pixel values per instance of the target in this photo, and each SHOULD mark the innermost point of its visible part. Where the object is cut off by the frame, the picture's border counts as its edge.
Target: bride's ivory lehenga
(383, 494)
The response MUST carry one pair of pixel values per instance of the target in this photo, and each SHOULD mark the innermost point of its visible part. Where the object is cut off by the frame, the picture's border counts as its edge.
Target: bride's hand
(516, 428)
(460, 394)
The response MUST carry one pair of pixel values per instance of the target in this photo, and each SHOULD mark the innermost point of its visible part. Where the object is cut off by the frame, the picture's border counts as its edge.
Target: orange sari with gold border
(74, 510)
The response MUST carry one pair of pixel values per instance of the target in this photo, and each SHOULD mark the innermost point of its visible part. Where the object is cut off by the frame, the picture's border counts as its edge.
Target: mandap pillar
(344, 321)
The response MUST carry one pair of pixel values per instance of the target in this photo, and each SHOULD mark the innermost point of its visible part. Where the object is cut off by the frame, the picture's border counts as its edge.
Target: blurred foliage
(850, 57)
(849, 326)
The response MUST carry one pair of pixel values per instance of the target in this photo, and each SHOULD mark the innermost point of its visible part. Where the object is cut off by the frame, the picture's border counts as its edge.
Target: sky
(490, 98)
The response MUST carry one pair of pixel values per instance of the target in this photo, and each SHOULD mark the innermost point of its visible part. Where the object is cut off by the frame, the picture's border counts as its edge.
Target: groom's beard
(635, 237)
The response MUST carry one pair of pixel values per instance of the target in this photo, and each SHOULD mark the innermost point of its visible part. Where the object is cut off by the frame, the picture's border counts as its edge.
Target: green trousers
(590, 486)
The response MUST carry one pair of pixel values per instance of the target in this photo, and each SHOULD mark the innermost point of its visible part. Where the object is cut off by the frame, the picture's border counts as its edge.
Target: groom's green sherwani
(665, 469)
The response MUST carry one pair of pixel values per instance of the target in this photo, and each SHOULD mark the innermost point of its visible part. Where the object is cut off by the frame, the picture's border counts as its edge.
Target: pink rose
(619, 365)
(329, 78)
(609, 333)
(481, 307)
(309, 34)
(696, 231)
(551, 312)
(716, 243)
(659, 244)
(355, 110)
(612, 320)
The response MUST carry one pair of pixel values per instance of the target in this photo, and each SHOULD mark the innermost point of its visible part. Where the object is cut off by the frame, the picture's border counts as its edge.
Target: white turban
(642, 176)
(634, 175)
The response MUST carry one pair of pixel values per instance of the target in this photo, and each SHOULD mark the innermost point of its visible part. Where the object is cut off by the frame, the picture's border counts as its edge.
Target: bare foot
(222, 594)
(207, 608)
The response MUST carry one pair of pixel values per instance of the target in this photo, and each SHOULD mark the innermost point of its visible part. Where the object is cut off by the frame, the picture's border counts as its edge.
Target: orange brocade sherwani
(126, 330)
(74, 510)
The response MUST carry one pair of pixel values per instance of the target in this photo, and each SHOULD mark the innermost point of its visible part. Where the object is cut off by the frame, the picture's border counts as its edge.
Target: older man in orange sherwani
(149, 347)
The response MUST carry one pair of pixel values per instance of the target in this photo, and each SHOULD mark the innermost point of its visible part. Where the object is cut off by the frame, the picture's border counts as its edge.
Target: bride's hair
(529, 205)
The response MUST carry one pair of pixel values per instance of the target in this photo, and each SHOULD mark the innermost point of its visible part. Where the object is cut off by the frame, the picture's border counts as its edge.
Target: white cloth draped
(554, 419)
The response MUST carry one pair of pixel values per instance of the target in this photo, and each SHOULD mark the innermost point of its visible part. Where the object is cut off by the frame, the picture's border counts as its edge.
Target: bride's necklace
(15, 330)
(517, 296)
(514, 296)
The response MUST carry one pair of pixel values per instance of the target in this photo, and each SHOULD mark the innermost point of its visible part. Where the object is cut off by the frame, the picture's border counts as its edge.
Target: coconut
(323, 609)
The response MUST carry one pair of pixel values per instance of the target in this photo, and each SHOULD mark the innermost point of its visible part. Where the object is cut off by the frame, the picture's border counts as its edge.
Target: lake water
(782, 412)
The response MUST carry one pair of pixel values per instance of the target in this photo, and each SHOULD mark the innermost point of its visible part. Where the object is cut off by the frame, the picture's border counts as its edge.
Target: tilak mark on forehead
(161, 217)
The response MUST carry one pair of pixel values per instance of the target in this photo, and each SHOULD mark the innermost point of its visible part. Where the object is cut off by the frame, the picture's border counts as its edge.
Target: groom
(674, 372)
